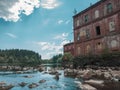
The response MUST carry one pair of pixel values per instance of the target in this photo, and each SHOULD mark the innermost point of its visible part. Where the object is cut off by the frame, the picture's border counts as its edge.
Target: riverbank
(102, 78)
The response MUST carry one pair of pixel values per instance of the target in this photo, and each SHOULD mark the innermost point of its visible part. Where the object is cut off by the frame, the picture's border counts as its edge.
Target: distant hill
(19, 57)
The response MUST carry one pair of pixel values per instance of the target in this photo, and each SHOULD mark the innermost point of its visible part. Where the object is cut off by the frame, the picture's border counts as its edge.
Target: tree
(67, 59)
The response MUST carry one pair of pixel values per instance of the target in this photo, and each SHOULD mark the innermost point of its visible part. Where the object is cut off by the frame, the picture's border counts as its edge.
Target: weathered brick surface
(109, 23)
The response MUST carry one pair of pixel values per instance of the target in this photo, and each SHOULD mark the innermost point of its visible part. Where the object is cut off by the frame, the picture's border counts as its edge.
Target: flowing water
(64, 83)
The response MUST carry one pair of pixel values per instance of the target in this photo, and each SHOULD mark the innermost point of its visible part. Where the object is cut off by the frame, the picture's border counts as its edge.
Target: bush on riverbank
(67, 60)
(105, 59)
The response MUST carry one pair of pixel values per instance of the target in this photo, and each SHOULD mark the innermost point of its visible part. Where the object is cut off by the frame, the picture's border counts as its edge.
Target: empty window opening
(98, 32)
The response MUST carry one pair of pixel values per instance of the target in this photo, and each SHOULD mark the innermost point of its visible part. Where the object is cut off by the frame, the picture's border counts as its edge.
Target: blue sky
(43, 26)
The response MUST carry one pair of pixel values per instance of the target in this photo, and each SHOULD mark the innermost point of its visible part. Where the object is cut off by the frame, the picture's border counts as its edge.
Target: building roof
(87, 9)
(69, 44)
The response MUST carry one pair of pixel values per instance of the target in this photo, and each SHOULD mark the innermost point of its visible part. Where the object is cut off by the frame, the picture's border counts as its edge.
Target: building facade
(97, 28)
(69, 48)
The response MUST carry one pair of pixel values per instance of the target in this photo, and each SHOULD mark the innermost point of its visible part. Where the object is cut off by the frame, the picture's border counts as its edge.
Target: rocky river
(47, 78)
(36, 81)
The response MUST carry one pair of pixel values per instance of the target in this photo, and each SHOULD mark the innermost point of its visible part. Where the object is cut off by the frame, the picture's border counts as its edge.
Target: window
(80, 21)
(86, 18)
(114, 43)
(87, 34)
(88, 49)
(78, 36)
(98, 30)
(79, 50)
(109, 7)
(99, 45)
(96, 14)
(82, 33)
(77, 22)
(111, 26)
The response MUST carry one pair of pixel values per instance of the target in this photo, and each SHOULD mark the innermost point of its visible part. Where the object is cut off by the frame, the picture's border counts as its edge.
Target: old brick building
(97, 28)
(69, 48)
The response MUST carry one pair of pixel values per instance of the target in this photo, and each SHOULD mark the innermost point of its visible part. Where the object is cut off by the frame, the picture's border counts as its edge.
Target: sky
(43, 26)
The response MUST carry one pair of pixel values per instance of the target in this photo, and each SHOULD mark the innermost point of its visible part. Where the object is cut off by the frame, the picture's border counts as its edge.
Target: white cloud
(10, 10)
(11, 35)
(60, 21)
(63, 21)
(51, 48)
(63, 36)
(67, 22)
(50, 4)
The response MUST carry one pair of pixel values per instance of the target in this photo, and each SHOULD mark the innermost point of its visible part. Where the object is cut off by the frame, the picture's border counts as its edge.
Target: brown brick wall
(109, 23)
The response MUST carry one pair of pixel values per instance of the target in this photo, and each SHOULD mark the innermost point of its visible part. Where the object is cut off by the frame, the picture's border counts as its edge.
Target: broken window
(98, 32)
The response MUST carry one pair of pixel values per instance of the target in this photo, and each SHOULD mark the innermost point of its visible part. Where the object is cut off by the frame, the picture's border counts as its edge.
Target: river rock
(53, 72)
(87, 87)
(53, 86)
(22, 84)
(70, 72)
(88, 74)
(4, 86)
(33, 85)
(107, 75)
(42, 81)
(95, 82)
(57, 76)
(28, 76)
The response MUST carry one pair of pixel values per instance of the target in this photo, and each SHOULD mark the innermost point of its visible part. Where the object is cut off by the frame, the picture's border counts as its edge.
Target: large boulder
(87, 87)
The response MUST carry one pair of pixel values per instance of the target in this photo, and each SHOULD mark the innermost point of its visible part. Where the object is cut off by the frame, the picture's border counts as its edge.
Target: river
(64, 83)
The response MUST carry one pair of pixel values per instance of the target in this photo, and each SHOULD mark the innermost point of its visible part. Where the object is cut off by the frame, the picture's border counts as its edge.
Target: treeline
(19, 57)
(55, 59)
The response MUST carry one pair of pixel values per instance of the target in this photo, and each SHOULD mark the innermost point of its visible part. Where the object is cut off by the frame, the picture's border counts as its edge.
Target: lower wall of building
(97, 46)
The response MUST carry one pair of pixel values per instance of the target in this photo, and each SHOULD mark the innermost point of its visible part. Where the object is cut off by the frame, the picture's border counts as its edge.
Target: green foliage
(67, 59)
(19, 57)
(105, 59)
(46, 61)
(57, 58)
(54, 60)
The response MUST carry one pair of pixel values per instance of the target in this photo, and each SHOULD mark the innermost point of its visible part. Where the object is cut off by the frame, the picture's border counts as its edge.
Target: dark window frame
(98, 30)
(86, 18)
